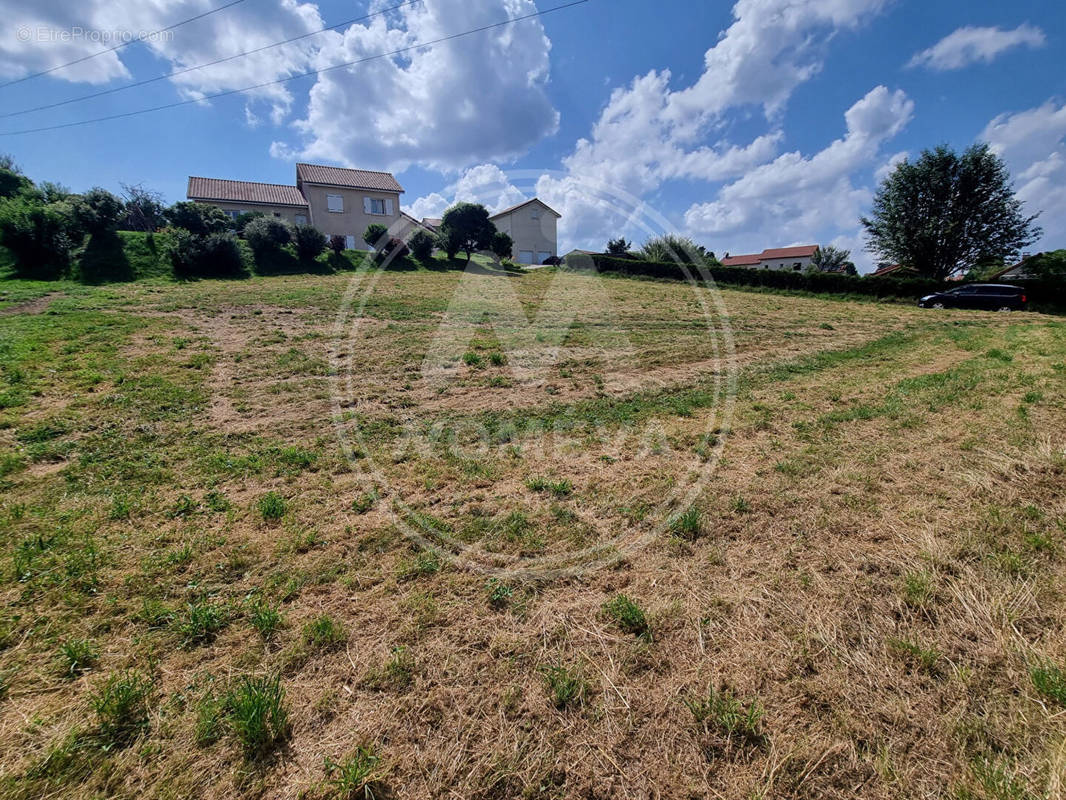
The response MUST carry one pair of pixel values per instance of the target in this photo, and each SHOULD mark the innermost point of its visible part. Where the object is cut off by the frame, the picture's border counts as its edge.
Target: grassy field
(204, 597)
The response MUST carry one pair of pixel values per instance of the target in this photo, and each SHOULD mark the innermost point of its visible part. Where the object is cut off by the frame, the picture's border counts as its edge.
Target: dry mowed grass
(203, 596)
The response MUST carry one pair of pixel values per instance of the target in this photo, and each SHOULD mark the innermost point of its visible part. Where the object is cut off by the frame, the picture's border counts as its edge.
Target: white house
(781, 258)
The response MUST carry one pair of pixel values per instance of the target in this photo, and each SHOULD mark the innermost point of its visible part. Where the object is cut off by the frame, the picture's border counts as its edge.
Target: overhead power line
(308, 74)
(120, 45)
(223, 60)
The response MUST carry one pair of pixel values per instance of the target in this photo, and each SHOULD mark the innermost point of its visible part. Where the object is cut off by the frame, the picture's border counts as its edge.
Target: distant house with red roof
(780, 258)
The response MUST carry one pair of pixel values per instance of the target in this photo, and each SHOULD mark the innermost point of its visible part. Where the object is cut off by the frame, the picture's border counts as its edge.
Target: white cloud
(649, 133)
(486, 184)
(447, 106)
(971, 44)
(795, 197)
(1032, 143)
(889, 166)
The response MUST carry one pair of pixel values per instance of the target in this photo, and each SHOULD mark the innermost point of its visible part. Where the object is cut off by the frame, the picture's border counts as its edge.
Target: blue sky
(746, 125)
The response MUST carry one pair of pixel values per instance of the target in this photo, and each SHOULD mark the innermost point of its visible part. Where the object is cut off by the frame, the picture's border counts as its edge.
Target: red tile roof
(273, 194)
(751, 259)
(350, 178)
(526, 203)
(741, 261)
(805, 251)
(885, 270)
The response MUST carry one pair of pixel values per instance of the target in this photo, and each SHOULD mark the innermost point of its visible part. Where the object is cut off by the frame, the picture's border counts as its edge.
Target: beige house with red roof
(793, 258)
(533, 227)
(336, 200)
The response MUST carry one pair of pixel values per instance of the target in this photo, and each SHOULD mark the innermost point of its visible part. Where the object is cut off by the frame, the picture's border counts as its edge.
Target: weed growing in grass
(210, 720)
(566, 686)
(216, 501)
(1050, 681)
(426, 562)
(257, 715)
(272, 506)
(500, 593)
(184, 506)
(918, 590)
(265, 618)
(997, 783)
(202, 623)
(923, 658)
(472, 359)
(687, 525)
(397, 674)
(738, 505)
(560, 488)
(154, 614)
(121, 706)
(77, 656)
(497, 359)
(628, 616)
(324, 633)
(722, 710)
(365, 501)
(354, 775)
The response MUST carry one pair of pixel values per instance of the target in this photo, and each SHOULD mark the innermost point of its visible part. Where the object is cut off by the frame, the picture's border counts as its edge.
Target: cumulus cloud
(486, 184)
(446, 106)
(650, 133)
(971, 44)
(796, 196)
(1033, 143)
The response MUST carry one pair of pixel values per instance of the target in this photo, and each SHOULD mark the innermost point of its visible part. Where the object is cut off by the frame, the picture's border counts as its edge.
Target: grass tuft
(566, 687)
(355, 775)
(77, 656)
(257, 715)
(324, 633)
(271, 506)
(121, 706)
(1050, 681)
(687, 525)
(730, 716)
(628, 616)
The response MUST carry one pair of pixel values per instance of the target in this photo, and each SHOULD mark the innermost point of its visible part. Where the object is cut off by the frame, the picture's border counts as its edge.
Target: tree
(267, 235)
(376, 235)
(944, 213)
(309, 241)
(671, 247)
(468, 225)
(338, 244)
(98, 211)
(502, 244)
(240, 222)
(1049, 266)
(449, 240)
(421, 245)
(830, 259)
(618, 247)
(198, 218)
(144, 209)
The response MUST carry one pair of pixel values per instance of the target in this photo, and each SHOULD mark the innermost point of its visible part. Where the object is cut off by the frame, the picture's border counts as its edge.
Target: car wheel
(938, 305)
(1004, 308)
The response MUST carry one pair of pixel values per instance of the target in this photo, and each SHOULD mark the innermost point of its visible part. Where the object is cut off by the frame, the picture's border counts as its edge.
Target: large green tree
(467, 227)
(943, 213)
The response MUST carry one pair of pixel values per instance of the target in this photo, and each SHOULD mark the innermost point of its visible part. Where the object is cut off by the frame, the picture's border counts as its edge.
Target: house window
(349, 242)
(233, 214)
(335, 203)
(301, 219)
(525, 256)
(277, 214)
(797, 266)
(535, 214)
(543, 255)
(378, 206)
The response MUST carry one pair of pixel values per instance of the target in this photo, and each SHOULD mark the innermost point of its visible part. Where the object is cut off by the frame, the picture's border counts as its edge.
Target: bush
(671, 247)
(39, 237)
(198, 218)
(98, 211)
(450, 241)
(242, 220)
(309, 241)
(822, 282)
(421, 245)
(267, 235)
(338, 244)
(502, 244)
(395, 248)
(374, 234)
(214, 256)
(618, 247)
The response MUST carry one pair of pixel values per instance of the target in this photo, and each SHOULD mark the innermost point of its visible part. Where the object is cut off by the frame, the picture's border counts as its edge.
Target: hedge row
(821, 282)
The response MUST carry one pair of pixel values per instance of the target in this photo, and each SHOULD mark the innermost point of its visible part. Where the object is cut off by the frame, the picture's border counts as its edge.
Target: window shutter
(388, 206)
(366, 205)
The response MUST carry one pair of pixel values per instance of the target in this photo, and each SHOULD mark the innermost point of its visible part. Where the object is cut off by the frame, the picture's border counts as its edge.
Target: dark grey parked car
(985, 296)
